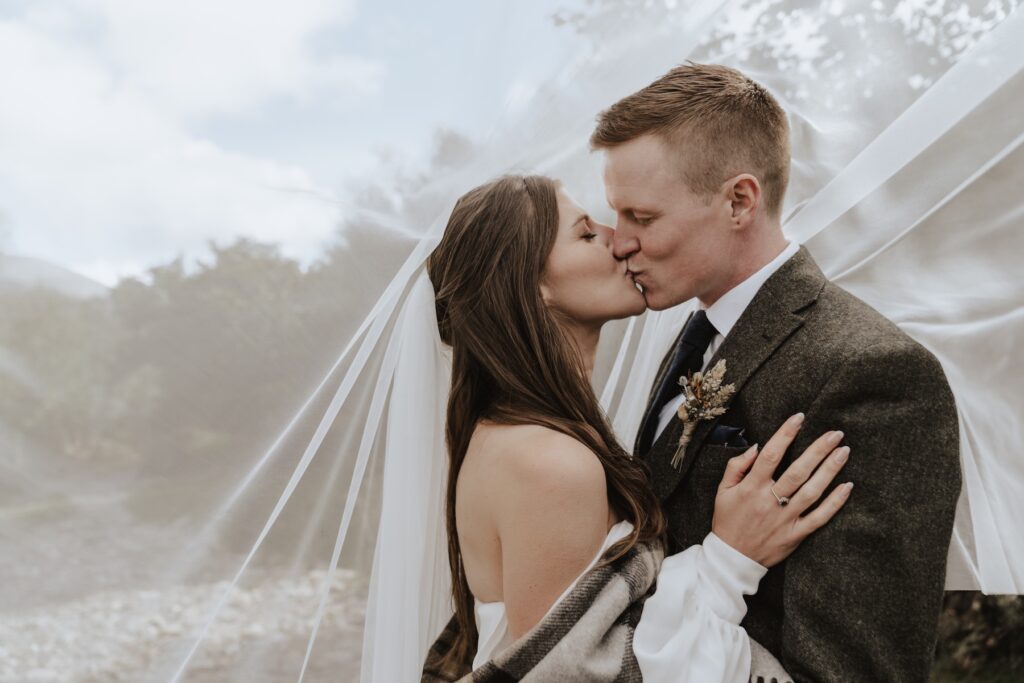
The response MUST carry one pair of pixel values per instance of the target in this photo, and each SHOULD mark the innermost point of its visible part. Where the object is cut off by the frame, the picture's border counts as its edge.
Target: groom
(696, 169)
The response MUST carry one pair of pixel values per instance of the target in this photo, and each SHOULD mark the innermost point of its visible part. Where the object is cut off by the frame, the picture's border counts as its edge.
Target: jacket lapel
(776, 311)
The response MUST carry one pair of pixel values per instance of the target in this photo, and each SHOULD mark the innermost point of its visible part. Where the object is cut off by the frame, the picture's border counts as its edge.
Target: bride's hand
(748, 515)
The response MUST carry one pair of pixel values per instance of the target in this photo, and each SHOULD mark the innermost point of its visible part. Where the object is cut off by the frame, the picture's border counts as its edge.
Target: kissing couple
(728, 545)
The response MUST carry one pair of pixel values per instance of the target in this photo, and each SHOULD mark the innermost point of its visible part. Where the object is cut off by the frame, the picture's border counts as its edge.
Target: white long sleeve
(689, 629)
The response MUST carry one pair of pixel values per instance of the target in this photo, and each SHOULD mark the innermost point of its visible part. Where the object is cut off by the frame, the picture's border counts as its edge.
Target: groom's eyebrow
(629, 210)
(626, 209)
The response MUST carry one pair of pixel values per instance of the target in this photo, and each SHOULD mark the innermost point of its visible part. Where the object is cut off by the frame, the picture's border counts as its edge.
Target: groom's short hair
(721, 122)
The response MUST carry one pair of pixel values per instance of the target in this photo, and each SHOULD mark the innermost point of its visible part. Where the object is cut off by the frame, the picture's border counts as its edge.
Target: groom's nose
(624, 244)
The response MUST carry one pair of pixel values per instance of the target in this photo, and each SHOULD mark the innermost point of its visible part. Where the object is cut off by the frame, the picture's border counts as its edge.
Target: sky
(133, 132)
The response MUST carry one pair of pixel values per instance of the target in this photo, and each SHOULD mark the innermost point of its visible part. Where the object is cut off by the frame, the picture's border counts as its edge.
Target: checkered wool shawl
(588, 636)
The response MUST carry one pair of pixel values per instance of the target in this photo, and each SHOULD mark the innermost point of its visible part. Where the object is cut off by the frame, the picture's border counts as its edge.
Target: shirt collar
(724, 313)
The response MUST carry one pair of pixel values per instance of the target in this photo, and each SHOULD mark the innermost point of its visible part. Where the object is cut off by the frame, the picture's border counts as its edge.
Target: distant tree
(61, 387)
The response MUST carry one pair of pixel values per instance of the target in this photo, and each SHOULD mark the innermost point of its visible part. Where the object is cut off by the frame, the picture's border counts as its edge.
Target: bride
(540, 494)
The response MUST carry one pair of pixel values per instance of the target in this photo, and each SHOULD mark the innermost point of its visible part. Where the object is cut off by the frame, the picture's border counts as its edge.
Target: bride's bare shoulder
(544, 506)
(537, 458)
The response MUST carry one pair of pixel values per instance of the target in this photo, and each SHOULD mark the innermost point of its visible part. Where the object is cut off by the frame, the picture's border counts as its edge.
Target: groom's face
(676, 243)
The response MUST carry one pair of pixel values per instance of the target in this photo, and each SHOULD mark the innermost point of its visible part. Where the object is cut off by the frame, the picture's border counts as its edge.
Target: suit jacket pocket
(727, 435)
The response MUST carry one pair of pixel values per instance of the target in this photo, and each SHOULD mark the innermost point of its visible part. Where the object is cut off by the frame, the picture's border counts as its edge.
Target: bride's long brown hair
(512, 363)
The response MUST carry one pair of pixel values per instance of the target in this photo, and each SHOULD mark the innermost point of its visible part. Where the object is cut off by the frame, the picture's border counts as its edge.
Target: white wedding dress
(689, 629)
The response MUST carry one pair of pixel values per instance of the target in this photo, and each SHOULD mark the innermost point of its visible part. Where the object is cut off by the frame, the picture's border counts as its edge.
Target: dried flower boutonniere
(704, 398)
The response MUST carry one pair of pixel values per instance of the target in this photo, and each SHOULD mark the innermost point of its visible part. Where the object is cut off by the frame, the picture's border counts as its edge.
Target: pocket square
(724, 435)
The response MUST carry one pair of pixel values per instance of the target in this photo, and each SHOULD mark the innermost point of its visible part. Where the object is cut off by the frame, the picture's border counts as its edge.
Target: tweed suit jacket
(859, 600)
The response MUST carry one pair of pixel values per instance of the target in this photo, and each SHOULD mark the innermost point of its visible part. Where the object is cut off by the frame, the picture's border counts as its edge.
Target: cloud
(210, 56)
(100, 166)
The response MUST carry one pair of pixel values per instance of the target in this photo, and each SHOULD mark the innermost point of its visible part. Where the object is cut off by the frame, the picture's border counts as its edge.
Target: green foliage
(981, 638)
(188, 368)
(61, 387)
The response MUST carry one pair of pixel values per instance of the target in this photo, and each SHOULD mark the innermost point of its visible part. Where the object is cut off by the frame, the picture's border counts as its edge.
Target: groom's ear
(743, 193)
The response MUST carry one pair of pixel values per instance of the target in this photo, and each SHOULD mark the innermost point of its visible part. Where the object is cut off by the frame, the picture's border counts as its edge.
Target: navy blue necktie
(688, 357)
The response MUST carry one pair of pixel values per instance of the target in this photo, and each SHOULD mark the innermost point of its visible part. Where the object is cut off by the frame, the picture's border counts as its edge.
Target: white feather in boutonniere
(704, 398)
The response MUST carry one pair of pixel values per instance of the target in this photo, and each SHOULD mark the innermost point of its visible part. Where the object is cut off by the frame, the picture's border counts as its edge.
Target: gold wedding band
(783, 500)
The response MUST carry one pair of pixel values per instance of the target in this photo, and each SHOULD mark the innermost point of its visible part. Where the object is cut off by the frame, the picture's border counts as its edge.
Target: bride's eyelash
(589, 235)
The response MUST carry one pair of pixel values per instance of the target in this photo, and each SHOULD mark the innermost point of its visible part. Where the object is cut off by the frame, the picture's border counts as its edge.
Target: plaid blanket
(588, 636)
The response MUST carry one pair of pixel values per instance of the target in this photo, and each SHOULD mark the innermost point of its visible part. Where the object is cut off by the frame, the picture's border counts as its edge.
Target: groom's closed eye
(639, 218)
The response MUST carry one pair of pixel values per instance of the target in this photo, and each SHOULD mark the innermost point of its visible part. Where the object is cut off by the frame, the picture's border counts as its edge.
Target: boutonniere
(704, 398)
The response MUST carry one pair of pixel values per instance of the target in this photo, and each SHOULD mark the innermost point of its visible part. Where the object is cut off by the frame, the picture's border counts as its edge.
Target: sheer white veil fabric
(410, 566)
(906, 142)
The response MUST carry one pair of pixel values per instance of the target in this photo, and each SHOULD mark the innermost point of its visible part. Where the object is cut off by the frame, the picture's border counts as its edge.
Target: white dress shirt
(723, 314)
